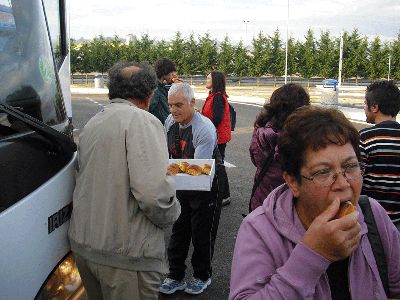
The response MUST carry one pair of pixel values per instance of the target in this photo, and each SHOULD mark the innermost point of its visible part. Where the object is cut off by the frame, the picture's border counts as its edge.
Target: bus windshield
(27, 70)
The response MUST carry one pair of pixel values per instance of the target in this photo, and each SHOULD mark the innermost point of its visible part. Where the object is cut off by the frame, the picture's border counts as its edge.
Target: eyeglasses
(327, 177)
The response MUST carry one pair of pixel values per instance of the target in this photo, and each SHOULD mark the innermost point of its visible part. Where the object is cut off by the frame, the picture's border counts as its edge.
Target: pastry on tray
(173, 169)
(206, 169)
(183, 165)
(193, 170)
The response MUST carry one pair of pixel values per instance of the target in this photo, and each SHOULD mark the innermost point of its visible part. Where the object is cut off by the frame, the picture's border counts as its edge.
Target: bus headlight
(64, 283)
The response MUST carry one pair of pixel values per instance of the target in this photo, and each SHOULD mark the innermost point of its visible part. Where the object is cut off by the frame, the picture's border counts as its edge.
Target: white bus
(37, 153)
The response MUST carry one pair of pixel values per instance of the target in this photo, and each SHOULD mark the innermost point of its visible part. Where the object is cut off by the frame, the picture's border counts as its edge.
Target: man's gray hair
(184, 88)
(131, 80)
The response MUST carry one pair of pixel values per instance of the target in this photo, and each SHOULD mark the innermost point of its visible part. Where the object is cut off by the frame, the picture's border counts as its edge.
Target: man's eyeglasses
(327, 177)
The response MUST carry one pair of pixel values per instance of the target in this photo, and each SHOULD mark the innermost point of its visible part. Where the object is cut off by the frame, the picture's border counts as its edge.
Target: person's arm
(147, 157)
(253, 147)
(256, 273)
(218, 109)
(204, 141)
(363, 150)
(263, 144)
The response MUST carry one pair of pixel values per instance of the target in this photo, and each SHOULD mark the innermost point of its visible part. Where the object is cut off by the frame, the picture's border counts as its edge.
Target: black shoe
(226, 201)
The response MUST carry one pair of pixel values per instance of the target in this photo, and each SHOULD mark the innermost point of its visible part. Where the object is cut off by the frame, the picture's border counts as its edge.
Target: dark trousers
(224, 182)
(198, 222)
(221, 148)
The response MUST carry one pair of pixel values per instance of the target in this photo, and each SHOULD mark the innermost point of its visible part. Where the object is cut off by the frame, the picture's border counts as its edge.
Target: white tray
(186, 182)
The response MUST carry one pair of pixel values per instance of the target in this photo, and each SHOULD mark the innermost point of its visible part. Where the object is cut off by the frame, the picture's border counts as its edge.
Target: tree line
(314, 57)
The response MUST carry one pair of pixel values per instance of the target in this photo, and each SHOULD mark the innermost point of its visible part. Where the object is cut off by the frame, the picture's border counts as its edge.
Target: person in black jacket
(166, 74)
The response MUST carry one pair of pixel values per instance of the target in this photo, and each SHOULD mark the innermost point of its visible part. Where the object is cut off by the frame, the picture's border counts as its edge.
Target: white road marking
(229, 165)
(95, 102)
(247, 104)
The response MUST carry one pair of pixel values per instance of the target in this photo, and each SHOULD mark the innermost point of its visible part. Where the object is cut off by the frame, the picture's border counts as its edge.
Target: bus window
(55, 23)
(30, 84)
(27, 69)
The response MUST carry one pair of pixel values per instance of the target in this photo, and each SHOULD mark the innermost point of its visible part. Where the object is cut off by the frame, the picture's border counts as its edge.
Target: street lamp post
(287, 38)
(390, 58)
(340, 59)
(245, 23)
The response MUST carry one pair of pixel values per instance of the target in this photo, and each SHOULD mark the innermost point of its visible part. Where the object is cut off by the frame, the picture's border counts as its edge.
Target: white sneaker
(196, 286)
(170, 286)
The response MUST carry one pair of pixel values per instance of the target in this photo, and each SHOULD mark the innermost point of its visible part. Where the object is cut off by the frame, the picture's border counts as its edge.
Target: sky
(237, 19)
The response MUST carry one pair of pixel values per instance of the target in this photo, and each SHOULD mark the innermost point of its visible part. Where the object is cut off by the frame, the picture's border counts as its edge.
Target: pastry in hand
(183, 165)
(193, 170)
(173, 169)
(206, 169)
(177, 80)
(345, 209)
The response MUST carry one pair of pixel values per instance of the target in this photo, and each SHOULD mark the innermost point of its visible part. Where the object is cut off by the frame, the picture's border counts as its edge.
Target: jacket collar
(119, 100)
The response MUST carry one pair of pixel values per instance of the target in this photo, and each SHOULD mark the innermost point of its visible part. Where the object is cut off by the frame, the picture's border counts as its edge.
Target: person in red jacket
(216, 108)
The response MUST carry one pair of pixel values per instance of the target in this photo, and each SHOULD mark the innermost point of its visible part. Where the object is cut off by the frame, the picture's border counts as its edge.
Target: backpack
(232, 113)
(375, 241)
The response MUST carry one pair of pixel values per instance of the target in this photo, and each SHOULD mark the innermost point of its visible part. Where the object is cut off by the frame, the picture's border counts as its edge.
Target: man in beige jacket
(123, 198)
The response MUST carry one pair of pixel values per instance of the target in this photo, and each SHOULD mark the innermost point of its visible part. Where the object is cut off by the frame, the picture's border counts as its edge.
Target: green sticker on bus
(46, 70)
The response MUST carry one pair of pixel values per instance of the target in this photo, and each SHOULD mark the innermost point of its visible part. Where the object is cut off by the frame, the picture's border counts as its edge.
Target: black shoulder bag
(375, 241)
(232, 114)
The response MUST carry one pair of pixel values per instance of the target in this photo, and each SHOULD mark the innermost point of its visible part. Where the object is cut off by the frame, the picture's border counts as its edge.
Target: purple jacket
(270, 261)
(264, 142)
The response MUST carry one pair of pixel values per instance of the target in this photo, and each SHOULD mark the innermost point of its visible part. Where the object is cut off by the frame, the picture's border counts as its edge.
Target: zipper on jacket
(327, 283)
(348, 276)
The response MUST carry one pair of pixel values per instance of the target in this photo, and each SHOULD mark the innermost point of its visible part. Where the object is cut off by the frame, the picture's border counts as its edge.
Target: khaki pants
(108, 283)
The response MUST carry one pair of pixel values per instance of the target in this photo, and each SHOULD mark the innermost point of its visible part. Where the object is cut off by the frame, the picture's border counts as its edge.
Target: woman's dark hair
(313, 128)
(164, 66)
(386, 95)
(218, 82)
(124, 84)
(283, 102)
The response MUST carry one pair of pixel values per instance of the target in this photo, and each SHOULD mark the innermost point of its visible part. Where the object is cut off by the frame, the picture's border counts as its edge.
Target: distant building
(130, 38)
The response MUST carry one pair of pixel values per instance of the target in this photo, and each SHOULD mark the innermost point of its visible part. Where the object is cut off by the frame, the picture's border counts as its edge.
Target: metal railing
(88, 79)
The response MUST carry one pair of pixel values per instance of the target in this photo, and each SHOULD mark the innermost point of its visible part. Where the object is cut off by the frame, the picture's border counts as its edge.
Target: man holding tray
(192, 136)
